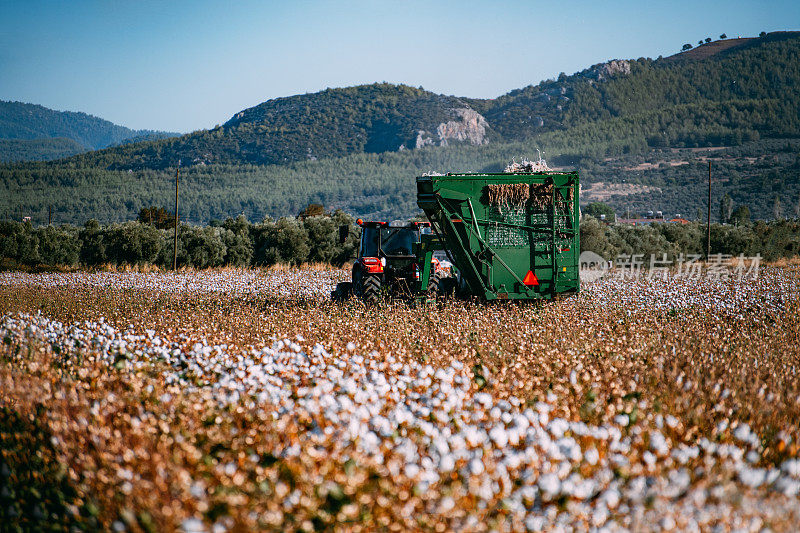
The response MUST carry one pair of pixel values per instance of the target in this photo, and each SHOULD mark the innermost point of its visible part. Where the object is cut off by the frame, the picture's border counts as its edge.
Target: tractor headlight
(383, 261)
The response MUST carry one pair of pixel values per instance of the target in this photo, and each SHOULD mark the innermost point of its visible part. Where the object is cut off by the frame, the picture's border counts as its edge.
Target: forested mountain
(13, 150)
(332, 123)
(359, 148)
(728, 94)
(29, 122)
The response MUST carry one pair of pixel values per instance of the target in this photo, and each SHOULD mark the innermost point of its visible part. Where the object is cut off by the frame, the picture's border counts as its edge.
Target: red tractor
(387, 263)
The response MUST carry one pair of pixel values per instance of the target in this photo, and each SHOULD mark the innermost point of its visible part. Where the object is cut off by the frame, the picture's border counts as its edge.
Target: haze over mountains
(358, 148)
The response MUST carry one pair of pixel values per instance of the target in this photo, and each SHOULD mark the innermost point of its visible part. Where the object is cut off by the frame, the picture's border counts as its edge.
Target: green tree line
(234, 242)
(316, 239)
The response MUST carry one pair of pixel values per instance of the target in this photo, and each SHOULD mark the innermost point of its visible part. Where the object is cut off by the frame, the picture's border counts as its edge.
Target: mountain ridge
(29, 124)
(383, 117)
(259, 162)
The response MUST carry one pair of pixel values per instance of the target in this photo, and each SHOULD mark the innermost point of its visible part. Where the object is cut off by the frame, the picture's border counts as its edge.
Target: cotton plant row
(642, 292)
(289, 282)
(421, 426)
(403, 418)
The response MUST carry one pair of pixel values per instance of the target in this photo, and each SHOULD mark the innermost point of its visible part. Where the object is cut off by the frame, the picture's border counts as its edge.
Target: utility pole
(708, 227)
(175, 248)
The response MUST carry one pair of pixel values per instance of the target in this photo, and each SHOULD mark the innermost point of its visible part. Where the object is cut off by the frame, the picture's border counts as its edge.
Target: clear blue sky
(181, 65)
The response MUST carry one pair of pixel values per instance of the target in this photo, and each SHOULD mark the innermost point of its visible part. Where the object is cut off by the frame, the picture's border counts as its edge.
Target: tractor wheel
(342, 292)
(370, 289)
(434, 291)
(448, 286)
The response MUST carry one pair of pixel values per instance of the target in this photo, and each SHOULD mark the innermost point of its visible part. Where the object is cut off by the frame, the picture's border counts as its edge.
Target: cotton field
(245, 399)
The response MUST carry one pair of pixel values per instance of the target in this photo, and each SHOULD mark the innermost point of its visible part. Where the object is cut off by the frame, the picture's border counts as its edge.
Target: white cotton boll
(599, 516)
(557, 427)
(752, 477)
(446, 504)
(535, 523)
(197, 490)
(667, 523)
(649, 459)
(193, 525)
(742, 432)
(447, 463)
(679, 479)
(443, 375)
(499, 436)
(351, 346)
(474, 436)
(772, 475)
(411, 470)
(476, 467)
(622, 420)
(569, 448)
(549, 485)
(581, 488)
(611, 498)
(592, 456)
(369, 442)
(440, 445)
(791, 467)
(787, 486)
(658, 443)
(483, 399)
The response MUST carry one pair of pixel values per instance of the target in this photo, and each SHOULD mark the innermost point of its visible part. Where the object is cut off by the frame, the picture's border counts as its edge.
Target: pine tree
(725, 209)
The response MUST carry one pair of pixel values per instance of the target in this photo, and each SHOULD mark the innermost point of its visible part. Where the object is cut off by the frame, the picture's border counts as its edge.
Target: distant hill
(30, 122)
(359, 148)
(336, 122)
(730, 85)
(15, 150)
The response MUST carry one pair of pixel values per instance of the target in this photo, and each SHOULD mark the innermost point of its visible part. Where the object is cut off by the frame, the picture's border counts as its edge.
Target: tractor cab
(379, 239)
(387, 262)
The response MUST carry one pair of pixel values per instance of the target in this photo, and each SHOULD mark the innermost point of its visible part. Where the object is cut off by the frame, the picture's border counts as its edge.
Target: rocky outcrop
(615, 67)
(467, 126)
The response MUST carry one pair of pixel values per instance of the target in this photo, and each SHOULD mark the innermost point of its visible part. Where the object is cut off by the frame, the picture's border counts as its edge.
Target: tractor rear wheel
(370, 289)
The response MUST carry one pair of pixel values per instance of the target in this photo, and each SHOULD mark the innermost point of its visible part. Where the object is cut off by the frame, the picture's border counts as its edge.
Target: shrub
(132, 243)
(59, 245)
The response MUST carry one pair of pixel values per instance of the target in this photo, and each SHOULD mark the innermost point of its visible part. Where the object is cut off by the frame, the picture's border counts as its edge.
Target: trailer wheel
(370, 289)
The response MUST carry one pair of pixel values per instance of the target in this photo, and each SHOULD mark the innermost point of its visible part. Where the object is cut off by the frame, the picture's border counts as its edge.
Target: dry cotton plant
(246, 399)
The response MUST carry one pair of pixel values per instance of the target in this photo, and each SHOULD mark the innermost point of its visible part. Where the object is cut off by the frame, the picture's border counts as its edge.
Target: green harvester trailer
(508, 235)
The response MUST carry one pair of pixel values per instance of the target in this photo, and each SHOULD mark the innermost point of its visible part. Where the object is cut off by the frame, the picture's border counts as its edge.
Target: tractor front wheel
(448, 286)
(434, 291)
(342, 292)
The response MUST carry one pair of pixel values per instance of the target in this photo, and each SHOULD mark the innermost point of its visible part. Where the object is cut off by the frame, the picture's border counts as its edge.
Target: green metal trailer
(509, 235)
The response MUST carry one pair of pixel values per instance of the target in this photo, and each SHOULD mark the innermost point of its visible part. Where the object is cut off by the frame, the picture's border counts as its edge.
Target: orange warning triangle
(530, 279)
